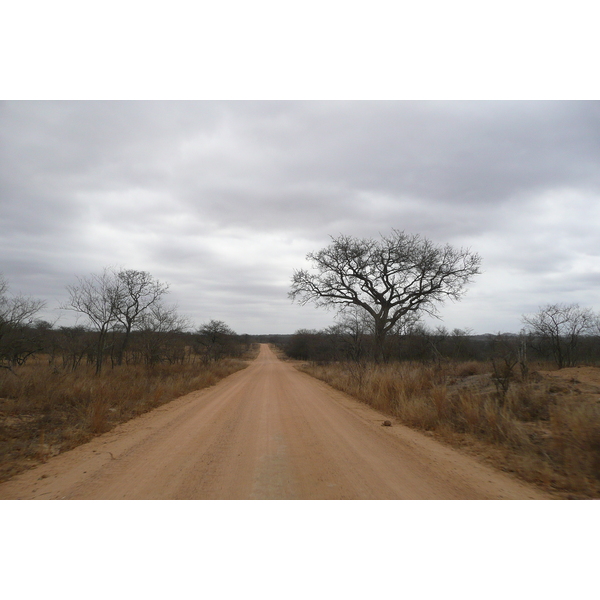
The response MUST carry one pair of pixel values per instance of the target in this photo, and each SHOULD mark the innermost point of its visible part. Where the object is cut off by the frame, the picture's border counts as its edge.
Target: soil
(267, 432)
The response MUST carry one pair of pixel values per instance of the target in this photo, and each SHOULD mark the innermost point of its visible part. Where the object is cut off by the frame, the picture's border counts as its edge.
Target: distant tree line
(126, 322)
(564, 334)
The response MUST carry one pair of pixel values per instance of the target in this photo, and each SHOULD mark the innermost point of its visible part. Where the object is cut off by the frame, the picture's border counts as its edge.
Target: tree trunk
(125, 344)
(380, 334)
(100, 352)
(558, 352)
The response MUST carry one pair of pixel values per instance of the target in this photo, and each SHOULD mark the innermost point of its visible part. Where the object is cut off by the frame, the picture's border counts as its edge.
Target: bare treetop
(17, 314)
(16, 310)
(138, 291)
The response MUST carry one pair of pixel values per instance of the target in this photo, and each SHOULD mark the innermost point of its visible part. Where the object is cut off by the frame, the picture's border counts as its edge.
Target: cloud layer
(224, 199)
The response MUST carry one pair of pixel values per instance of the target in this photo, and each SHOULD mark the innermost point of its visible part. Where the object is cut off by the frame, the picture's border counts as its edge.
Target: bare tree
(157, 327)
(505, 357)
(388, 278)
(138, 291)
(217, 339)
(17, 315)
(19, 309)
(560, 326)
(116, 300)
(98, 298)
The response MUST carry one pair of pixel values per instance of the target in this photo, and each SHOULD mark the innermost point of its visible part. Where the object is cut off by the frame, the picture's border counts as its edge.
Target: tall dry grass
(544, 441)
(574, 442)
(45, 410)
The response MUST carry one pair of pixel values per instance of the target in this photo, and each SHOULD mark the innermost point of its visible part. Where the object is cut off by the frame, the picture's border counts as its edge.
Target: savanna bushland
(528, 402)
(62, 385)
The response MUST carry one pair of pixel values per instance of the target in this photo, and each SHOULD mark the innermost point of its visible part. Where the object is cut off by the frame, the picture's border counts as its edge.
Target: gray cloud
(224, 199)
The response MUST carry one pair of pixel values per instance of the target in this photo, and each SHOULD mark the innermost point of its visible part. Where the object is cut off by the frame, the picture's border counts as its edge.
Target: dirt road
(267, 432)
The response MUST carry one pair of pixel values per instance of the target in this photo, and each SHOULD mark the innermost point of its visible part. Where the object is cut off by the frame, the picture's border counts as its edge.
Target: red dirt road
(267, 432)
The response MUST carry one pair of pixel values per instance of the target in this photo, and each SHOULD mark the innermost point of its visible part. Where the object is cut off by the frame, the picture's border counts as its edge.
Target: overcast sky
(223, 200)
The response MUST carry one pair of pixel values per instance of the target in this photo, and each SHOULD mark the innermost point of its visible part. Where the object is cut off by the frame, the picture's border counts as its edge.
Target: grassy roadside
(544, 428)
(45, 411)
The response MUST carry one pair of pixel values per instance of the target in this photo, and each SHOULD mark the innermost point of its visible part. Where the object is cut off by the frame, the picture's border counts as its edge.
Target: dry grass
(45, 411)
(543, 429)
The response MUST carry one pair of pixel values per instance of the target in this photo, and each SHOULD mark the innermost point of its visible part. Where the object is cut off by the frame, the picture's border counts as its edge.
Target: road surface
(267, 432)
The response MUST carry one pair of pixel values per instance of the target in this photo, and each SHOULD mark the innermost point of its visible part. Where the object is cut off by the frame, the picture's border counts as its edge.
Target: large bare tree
(388, 278)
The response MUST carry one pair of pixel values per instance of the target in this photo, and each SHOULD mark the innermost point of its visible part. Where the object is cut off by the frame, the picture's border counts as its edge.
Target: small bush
(468, 369)
(529, 403)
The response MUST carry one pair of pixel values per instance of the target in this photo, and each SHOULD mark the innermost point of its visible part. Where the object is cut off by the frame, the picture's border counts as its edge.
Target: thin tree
(138, 292)
(388, 278)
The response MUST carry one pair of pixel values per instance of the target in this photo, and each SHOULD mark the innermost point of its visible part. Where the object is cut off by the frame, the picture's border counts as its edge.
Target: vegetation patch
(45, 411)
(61, 386)
(543, 426)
